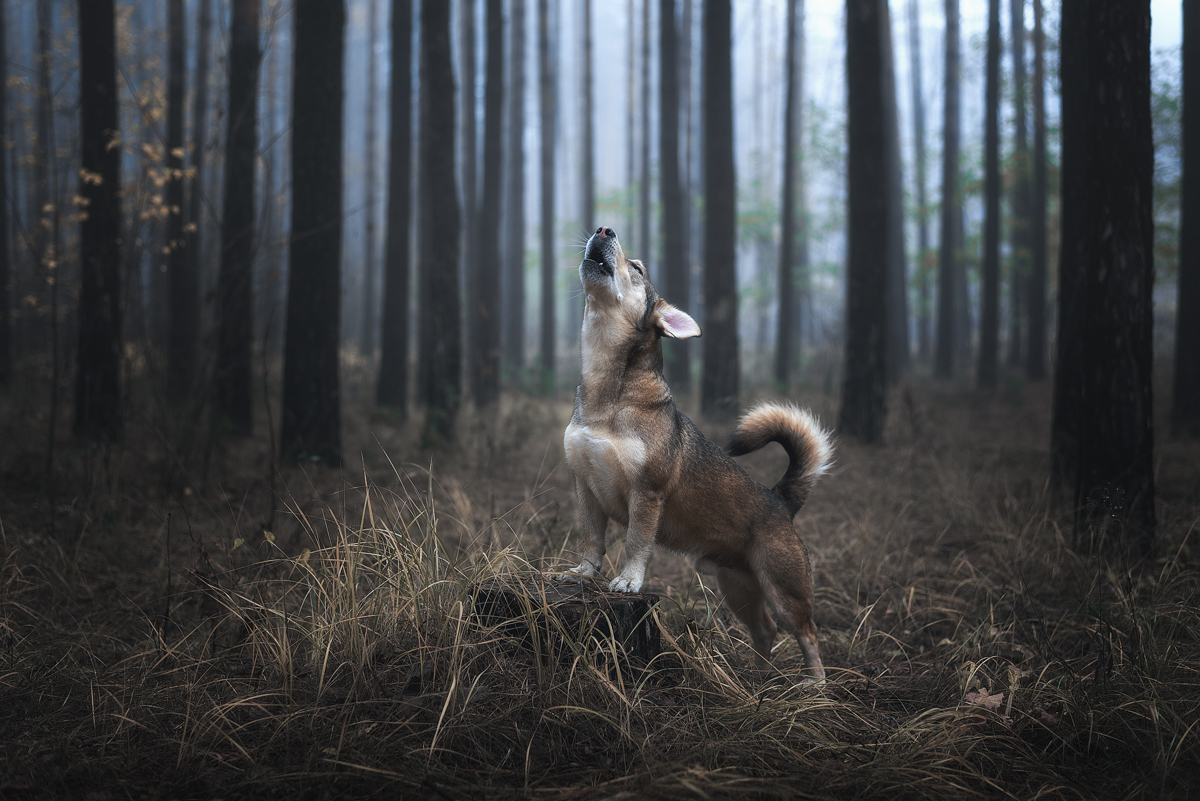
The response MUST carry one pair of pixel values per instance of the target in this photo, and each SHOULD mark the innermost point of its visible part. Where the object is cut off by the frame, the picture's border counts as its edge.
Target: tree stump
(542, 610)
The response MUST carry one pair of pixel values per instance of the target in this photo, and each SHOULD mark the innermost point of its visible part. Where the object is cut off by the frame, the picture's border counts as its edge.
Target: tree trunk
(1114, 491)
(513, 289)
(43, 205)
(989, 329)
(864, 383)
(630, 96)
(918, 121)
(311, 405)
(719, 387)
(484, 291)
(1035, 352)
(587, 211)
(546, 106)
(370, 326)
(674, 251)
(1185, 400)
(97, 381)
(181, 343)
(897, 258)
(468, 80)
(785, 350)
(1019, 228)
(235, 310)
(188, 297)
(6, 354)
(439, 340)
(644, 244)
(392, 388)
(951, 231)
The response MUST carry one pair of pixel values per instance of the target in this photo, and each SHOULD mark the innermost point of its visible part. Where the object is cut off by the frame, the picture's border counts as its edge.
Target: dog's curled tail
(809, 446)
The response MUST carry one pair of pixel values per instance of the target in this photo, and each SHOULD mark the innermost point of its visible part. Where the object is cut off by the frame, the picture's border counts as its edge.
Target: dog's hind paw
(576, 575)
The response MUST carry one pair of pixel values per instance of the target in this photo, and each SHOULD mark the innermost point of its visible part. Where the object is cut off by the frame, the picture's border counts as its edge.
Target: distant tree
(1111, 198)
(629, 243)
(483, 291)
(392, 387)
(1019, 205)
(785, 339)
(918, 121)
(864, 383)
(97, 380)
(674, 250)
(587, 183)
(1185, 399)
(311, 405)
(896, 335)
(439, 342)
(546, 104)
(989, 333)
(644, 212)
(1035, 352)
(235, 309)
(512, 290)
(719, 386)
(470, 146)
(43, 207)
(370, 322)
(188, 296)
(181, 343)
(6, 364)
(951, 228)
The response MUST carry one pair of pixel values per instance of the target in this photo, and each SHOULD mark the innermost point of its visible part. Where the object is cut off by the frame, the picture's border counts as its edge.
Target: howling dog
(641, 462)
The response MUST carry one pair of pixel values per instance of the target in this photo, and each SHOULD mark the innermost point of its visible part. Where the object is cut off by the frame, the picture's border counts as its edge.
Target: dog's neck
(619, 368)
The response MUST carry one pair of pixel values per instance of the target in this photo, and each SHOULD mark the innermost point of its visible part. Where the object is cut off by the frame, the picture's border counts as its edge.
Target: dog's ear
(674, 323)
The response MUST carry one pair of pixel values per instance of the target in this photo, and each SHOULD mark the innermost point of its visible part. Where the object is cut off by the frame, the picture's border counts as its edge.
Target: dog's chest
(608, 462)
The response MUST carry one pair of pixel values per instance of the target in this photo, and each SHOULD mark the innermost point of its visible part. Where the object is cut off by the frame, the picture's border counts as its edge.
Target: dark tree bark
(785, 341)
(644, 243)
(311, 405)
(512, 290)
(918, 121)
(631, 243)
(483, 319)
(546, 106)
(6, 363)
(719, 386)
(39, 232)
(897, 259)
(370, 325)
(188, 310)
(951, 230)
(989, 332)
(587, 184)
(439, 340)
(1019, 205)
(97, 380)
(392, 389)
(235, 331)
(864, 383)
(470, 145)
(1035, 353)
(1114, 491)
(181, 344)
(674, 255)
(1185, 396)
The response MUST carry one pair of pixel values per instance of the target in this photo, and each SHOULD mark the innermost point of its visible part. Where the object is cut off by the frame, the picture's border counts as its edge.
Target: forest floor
(180, 618)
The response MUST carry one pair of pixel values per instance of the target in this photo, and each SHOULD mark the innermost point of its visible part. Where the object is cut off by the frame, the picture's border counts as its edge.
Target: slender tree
(370, 324)
(181, 353)
(6, 363)
(989, 334)
(513, 288)
(235, 285)
(439, 341)
(918, 121)
(1019, 227)
(951, 228)
(546, 103)
(785, 342)
(311, 406)
(719, 386)
(866, 259)
(484, 290)
(468, 131)
(644, 211)
(97, 380)
(630, 99)
(587, 183)
(392, 388)
(188, 310)
(44, 208)
(674, 251)
(1185, 399)
(1035, 352)
(897, 261)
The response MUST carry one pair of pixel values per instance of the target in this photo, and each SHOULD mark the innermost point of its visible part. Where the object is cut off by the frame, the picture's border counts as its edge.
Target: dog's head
(620, 298)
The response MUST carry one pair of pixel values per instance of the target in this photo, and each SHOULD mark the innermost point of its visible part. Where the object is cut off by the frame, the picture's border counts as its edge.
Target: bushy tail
(808, 446)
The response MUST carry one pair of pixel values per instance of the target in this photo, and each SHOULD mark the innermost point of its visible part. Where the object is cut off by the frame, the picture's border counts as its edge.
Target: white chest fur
(607, 462)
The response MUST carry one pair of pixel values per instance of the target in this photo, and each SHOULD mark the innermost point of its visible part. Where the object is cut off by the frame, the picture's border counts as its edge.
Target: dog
(638, 460)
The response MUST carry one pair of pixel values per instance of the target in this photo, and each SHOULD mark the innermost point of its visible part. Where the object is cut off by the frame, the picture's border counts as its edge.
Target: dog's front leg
(645, 508)
(595, 524)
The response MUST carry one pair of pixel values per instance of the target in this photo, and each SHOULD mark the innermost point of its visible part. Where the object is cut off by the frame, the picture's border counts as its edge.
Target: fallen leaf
(982, 698)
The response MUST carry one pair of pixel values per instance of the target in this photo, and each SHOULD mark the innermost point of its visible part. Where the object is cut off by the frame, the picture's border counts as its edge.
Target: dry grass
(164, 634)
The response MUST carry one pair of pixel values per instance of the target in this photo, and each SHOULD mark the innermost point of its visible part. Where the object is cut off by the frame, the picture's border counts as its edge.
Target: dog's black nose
(604, 232)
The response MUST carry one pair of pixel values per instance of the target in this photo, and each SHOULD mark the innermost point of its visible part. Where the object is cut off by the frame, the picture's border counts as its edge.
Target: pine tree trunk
(674, 251)
(587, 185)
(1185, 398)
(512, 290)
(864, 381)
(951, 228)
(784, 340)
(392, 388)
(719, 386)
(1019, 227)
(630, 243)
(235, 331)
(370, 326)
(1035, 352)
(439, 343)
(484, 290)
(311, 403)
(918, 121)
(97, 381)
(189, 284)
(897, 257)
(546, 106)
(989, 332)
(471, 200)
(644, 246)
(38, 221)
(182, 323)
(6, 331)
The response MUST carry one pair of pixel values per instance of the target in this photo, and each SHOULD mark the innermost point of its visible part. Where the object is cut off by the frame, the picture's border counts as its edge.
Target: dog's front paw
(625, 584)
(576, 575)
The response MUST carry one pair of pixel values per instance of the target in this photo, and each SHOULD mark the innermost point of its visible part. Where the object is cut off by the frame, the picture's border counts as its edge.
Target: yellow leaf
(237, 543)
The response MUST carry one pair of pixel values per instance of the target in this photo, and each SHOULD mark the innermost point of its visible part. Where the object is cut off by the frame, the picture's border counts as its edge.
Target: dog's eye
(639, 269)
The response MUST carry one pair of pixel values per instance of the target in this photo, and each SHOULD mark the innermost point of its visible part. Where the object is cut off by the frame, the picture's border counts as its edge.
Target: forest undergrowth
(181, 617)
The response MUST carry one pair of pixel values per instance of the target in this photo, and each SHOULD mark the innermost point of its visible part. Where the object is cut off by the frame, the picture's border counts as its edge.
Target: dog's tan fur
(639, 461)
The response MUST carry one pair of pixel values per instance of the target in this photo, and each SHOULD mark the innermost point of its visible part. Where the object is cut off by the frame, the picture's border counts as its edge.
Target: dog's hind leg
(786, 578)
(595, 524)
(744, 596)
